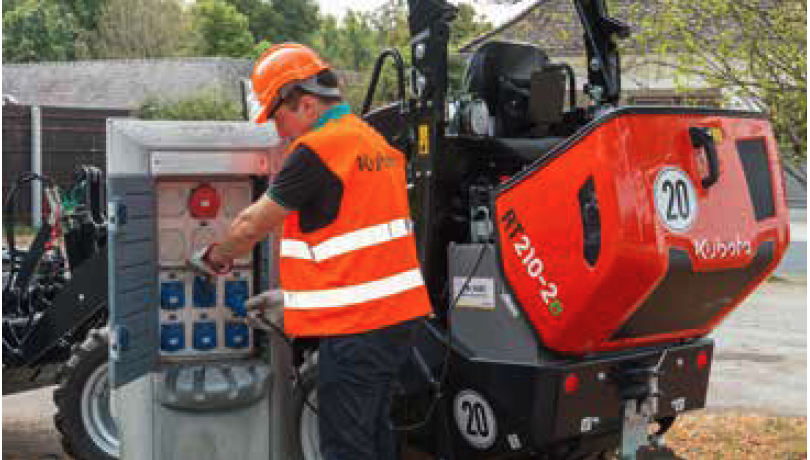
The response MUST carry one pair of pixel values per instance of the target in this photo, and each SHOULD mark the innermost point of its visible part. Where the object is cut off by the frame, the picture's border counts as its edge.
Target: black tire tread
(67, 394)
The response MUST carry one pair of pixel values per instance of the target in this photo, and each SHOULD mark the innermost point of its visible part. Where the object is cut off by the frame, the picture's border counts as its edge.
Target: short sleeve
(306, 184)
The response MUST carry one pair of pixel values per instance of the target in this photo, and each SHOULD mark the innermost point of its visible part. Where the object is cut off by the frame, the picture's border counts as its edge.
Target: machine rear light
(702, 360)
(571, 384)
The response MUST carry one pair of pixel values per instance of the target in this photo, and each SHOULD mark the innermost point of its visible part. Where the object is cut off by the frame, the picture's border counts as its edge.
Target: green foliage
(221, 29)
(467, 26)
(279, 21)
(298, 21)
(756, 51)
(354, 44)
(38, 30)
(86, 12)
(258, 49)
(205, 105)
(142, 29)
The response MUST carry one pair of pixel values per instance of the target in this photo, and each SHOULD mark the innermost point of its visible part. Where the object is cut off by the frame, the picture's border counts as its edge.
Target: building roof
(122, 83)
(554, 25)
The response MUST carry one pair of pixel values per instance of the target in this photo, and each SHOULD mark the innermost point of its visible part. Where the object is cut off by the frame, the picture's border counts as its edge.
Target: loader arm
(601, 35)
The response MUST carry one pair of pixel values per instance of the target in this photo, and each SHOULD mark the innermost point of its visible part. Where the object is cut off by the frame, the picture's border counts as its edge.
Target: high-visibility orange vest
(361, 272)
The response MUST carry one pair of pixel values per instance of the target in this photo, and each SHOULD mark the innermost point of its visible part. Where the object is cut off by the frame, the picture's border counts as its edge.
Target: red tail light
(571, 383)
(702, 360)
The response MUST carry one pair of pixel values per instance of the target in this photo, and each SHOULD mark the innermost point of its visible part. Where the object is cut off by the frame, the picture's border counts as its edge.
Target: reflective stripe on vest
(358, 239)
(350, 295)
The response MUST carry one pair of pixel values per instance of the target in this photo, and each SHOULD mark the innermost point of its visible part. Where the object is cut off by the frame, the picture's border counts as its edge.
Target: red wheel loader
(577, 257)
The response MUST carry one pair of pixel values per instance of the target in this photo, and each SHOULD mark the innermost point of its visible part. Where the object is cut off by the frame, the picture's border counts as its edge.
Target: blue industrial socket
(236, 293)
(236, 335)
(172, 295)
(205, 335)
(204, 292)
(172, 337)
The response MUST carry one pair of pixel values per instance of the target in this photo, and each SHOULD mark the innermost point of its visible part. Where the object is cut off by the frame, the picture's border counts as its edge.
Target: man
(348, 262)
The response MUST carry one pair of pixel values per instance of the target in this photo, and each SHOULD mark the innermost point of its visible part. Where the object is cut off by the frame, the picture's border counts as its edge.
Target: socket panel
(200, 317)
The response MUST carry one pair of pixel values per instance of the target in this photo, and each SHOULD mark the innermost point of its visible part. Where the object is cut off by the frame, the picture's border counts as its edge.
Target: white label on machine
(588, 423)
(475, 419)
(675, 199)
(479, 292)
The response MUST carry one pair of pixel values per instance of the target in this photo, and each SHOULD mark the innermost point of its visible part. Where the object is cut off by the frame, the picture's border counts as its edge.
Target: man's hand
(269, 305)
(218, 260)
(209, 261)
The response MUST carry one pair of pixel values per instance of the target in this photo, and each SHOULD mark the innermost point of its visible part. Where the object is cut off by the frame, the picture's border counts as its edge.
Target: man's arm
(303, 180)
(252, 225)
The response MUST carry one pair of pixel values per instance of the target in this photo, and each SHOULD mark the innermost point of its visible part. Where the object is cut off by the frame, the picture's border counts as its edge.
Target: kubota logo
(375, 163)
(718, 249)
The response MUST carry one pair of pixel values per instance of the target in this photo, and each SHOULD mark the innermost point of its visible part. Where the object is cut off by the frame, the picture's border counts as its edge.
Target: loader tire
(305, 439)
(82, 400)
(304, 436)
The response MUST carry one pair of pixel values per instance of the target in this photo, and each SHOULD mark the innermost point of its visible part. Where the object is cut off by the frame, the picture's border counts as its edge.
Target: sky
(497, 14)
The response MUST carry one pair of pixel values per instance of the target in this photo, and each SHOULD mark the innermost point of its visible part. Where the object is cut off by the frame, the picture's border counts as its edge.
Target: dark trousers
(355, 376)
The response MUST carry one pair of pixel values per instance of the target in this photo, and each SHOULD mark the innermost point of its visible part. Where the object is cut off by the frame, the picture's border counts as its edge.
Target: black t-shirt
(305, 184)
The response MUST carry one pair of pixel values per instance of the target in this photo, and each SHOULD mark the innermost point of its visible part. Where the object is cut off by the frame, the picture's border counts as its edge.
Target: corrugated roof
(121, 83)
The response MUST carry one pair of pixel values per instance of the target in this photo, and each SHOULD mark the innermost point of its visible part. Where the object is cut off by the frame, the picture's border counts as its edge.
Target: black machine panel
(754, 160)
(711, 292)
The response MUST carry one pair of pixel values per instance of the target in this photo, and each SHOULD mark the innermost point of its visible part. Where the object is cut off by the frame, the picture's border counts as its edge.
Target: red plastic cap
(204, 202)
(571, 383)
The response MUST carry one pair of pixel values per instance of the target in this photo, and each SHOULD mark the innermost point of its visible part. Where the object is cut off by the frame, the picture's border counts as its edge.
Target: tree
(328, 42)
(221, 29)
(86, 12)
(38, 30)
(142, 29)
(359, 42)
(297, 21)
(467, 25)
(260, 15)
(280, 21)
(754, 49)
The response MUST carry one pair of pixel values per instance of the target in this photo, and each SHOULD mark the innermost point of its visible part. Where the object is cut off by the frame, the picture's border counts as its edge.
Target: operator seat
(499, 73)
(524, 92)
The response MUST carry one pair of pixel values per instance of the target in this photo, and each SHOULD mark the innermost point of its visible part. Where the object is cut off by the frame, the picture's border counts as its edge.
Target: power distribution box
(188, 381)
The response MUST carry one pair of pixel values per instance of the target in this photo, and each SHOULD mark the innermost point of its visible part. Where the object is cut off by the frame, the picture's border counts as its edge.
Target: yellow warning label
(424, 140)
(717, 134)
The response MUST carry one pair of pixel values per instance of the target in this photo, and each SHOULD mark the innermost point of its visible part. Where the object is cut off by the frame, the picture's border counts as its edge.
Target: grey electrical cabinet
(187, 379)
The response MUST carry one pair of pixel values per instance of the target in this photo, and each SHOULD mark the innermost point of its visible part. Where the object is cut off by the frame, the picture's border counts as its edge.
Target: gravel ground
(761, 353)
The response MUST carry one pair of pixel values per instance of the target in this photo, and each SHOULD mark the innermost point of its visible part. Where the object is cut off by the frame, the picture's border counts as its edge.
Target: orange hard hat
(282, 67)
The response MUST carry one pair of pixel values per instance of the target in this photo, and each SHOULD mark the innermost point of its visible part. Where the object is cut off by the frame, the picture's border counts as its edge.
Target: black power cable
(445, 362)
(448, 342)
